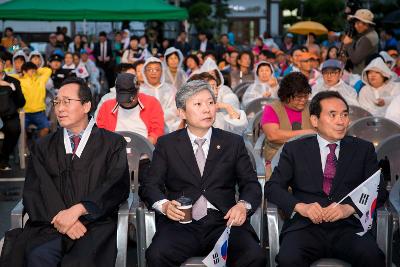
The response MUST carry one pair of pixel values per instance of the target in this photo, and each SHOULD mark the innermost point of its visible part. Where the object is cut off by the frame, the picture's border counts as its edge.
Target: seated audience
(331, 81)
(229, 115)
(75, 181)
(265, 85)
(180, 161)
(132, 111)
(287, 117)
(244, 72)
(316, 225)
(33, 85)
(174, 73)
(155, 85)
(379, 88)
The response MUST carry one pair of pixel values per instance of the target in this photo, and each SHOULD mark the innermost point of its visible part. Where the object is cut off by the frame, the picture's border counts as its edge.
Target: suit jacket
(174, 171)
(97, 52)
(210, 46)
(300, 168)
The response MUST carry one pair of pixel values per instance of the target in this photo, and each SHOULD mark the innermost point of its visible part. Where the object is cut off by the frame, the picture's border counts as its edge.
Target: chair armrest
(17, 215)
(384, 233)
(274, 226)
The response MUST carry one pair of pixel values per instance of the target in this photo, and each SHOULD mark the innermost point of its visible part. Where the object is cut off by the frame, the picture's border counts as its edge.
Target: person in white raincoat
(229, 117)
(265, 85)
(379, 89)
(174, 74)
(155, 85)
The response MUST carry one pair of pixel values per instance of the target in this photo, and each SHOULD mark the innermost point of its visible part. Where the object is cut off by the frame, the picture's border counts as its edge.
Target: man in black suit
(321, 170)
(204, 44)
(104, 57)
(204, 164)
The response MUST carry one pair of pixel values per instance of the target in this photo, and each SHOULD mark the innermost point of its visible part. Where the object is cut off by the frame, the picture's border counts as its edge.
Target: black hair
(293, 84)
(137, 63)
(268, 53)
(250, 55)
(194, 57)
(8, 29)
(76, 54)
(210, 53)
(313, 35)
(262, 65)
(329, 50)
(68, 53)
(173, 53)
(301, 48)
(103, 33)
(315, 105)
(134, 37)
(28, 66)
(85, 95)
(123, 67)
(204, 76)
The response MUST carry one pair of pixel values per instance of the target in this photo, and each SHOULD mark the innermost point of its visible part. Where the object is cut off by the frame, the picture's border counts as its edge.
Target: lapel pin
(218, 146)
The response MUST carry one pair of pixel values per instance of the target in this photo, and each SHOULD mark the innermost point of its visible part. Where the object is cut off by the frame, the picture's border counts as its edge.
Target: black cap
(126, 87)
(55, 57)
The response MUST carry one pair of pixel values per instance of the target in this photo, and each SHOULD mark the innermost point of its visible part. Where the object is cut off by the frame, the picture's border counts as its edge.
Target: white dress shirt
(206, 146)
(324, 149)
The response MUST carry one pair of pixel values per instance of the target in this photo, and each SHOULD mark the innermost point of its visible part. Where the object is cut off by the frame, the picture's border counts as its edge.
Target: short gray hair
(189, 89)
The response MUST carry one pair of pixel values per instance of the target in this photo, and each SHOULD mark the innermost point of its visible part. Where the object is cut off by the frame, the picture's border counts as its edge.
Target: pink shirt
(270, 116)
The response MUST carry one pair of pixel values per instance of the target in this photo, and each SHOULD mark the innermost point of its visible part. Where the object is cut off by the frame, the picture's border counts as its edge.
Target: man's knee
(368, 257)
(158, 254)
(39, 257)
(293, 257)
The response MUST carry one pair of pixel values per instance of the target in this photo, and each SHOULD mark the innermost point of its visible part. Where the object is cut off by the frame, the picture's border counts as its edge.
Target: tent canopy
(91, 10)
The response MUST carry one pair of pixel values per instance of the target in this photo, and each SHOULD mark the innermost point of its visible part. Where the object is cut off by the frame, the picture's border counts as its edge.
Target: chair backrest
(356, 113)
(275, 159)
(256, 106)
(240, 89)
(137, 146)
(389, 149)
(256, 127)
(373, 129)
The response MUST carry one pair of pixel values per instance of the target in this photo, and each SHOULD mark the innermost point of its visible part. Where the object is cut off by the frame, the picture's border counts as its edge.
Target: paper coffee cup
(186, 207)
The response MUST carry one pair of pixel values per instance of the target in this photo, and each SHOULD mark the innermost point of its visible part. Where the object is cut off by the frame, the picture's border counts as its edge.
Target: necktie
(330, 169)
(200, 207)
(75, 139)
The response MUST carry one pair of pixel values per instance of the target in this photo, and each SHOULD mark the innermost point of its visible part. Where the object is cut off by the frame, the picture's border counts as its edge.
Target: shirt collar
(82, 143)
(193, 137)
(323, 142)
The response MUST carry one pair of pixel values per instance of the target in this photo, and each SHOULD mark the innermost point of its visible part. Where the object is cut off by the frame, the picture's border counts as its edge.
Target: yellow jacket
(34, 89)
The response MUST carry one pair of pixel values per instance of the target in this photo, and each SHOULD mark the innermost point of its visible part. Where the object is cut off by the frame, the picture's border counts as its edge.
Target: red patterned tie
(76, 139)
(330, 169)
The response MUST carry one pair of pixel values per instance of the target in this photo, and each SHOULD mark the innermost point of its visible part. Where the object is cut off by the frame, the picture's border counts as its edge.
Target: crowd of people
(189, 91)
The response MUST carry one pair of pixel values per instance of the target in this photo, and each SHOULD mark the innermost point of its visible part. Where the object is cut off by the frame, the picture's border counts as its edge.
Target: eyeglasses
(301, 97)
(153, 70)
(64, 101)
(330, 73)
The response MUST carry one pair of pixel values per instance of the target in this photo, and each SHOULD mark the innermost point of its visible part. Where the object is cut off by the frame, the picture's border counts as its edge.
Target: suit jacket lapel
(346, 153)
(314, 161)
(216, 147)
(185, 151)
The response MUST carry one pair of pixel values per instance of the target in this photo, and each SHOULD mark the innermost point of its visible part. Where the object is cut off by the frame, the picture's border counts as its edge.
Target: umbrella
(307, 27)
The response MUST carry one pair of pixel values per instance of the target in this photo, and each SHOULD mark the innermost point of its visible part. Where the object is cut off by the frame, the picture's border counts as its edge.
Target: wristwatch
(247, 205)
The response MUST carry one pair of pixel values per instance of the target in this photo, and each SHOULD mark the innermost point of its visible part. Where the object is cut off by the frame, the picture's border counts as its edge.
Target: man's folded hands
(317, 214)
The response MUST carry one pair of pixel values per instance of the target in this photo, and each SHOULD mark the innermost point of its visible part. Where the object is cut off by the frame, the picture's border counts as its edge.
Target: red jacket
(151, 114)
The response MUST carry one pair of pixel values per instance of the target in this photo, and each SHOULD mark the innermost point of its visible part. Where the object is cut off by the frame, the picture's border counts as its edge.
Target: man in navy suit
(205, 164)
(321, 170)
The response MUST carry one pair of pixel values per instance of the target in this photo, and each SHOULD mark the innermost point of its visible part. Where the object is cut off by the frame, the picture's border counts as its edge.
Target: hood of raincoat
(170, 51)
(153, 60)
(36, 53)
(377, 65)
(18, 54)
(210, 65)
(258, 65)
